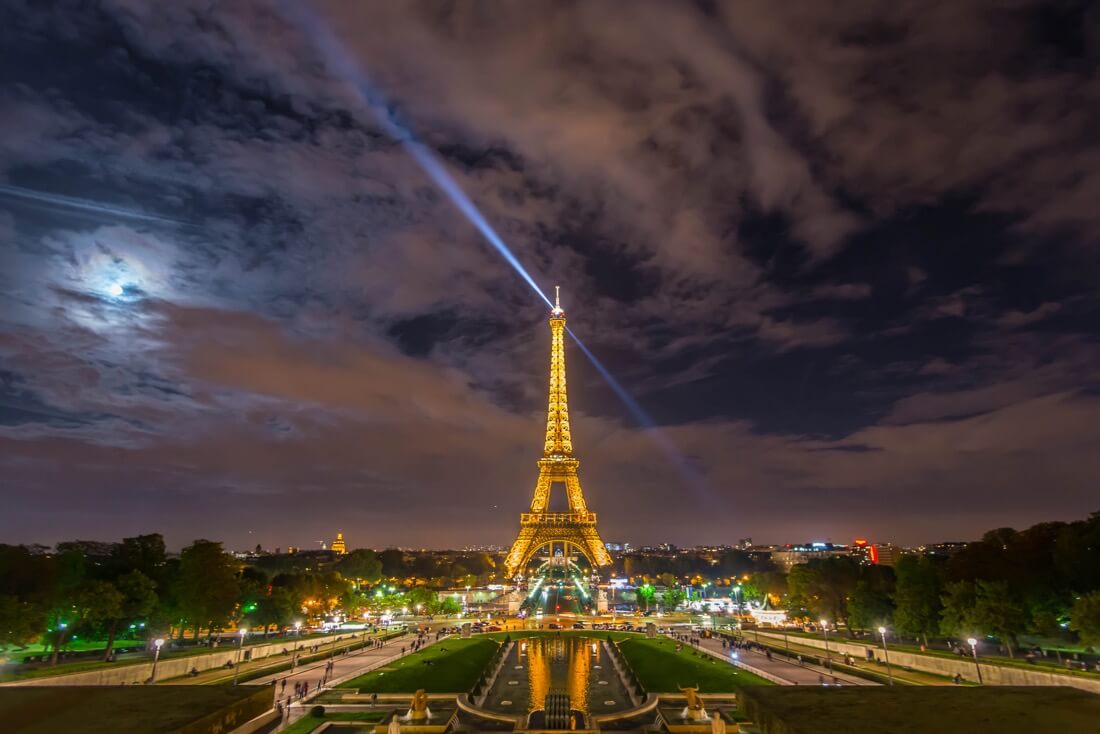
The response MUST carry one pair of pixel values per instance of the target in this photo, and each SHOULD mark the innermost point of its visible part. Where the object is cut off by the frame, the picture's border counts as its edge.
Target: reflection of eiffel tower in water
(540, 527)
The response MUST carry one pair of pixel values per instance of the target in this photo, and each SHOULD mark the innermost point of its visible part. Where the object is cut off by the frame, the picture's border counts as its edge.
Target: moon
(115, 289)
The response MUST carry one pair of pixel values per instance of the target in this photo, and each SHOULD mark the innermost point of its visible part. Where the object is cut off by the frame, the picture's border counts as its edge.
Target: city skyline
(855, 300)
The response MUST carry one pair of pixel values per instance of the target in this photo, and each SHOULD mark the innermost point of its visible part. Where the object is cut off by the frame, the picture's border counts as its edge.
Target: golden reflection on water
(559, 663)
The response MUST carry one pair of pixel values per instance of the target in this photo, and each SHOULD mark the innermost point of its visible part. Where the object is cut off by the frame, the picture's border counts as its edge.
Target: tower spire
(559, 442)
(540, 527)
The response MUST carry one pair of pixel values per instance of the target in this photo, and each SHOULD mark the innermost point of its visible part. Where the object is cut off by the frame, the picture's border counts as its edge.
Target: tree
(138, 598)
(94, 603)
(958, 617)
(1085, 619)
(393, 562)
(362, 565)
(145, 553)
(20, 621)
(207, 585)
(824, 585)
(997, 611)
(673, 597)
(917, 593)
(750, 591)
(869, 606)
(644, 592)
(448, 606)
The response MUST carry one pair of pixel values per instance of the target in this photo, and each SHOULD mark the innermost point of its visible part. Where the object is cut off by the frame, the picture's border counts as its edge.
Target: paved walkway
(794, 673)
(345, 667)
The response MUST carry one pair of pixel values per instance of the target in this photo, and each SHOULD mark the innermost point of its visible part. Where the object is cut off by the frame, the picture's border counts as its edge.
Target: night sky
(844, 254)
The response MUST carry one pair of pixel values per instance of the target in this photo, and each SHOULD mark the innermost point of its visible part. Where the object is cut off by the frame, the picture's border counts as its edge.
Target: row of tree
(134, 588)
(1041, 580)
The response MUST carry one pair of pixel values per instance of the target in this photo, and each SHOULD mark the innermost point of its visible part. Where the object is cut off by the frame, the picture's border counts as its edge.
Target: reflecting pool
(572, 664)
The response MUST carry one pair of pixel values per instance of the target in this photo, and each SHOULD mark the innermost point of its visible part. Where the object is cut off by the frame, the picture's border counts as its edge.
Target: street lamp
(974, 650)
(157, 643)
(294, 645)
(886, 654)
(240, 648)
(828, 655)
(737, 596)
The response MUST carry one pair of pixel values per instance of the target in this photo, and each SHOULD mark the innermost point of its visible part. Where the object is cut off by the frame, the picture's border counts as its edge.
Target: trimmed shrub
(317, 712)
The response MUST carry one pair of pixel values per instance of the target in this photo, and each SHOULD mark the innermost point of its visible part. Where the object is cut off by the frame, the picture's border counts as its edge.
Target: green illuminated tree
(1085, 619)
(672, 598)
(645, 592)
(138, 598)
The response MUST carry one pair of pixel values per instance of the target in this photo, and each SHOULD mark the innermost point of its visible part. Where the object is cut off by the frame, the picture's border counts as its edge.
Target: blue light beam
(340, 60)
(336, 55)
(85, 205)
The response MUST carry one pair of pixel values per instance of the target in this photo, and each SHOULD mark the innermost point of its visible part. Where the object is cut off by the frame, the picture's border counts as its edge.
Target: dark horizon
(845, 257)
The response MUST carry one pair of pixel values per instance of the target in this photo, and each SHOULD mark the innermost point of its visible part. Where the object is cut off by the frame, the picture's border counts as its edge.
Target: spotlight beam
(85, 205)
(340, 60)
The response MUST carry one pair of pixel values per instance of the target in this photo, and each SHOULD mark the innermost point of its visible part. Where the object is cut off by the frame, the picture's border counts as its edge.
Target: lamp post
(240, 648)
(294, 645)
(737, 596)
(828, 655)
(974, 651)
(886, 655)
(157, 643)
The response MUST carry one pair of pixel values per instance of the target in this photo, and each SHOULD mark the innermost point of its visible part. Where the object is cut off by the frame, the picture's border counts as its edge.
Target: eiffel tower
(539, 527)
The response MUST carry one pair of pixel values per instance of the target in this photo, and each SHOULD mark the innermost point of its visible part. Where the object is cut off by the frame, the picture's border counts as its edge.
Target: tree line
(134, 589)
(1042, 580)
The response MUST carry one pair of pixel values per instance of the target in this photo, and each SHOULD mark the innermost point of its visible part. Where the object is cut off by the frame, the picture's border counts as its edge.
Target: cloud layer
(845, 257)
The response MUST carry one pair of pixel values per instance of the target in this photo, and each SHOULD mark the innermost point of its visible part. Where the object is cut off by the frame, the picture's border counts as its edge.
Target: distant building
(885, 554)
(789, 556)
(941, 549)
(338, 546)
(618, 547)
(292, 549)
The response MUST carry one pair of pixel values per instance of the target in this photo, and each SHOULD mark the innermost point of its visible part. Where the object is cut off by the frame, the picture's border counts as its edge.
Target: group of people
(301, 690)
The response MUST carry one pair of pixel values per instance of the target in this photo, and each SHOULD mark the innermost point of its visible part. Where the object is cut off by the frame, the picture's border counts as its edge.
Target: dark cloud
(843, 253)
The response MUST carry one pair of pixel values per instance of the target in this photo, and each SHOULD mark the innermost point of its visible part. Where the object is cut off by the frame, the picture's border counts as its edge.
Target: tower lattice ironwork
(540, 527)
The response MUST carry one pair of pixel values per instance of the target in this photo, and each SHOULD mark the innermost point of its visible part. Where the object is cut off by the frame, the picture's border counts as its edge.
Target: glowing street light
(157, 643)
(240, 647)
(886, 655)
(974, 650)
(294, 645)
(828, 655)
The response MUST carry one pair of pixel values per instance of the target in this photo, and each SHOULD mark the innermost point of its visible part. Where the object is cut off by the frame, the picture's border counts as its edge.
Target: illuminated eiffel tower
(539, 527)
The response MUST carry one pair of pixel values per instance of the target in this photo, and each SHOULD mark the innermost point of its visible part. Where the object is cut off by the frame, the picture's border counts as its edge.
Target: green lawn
(17, 655)
(660, 669)
(456, 664)
(309, 723)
